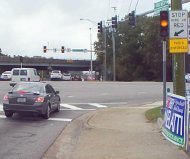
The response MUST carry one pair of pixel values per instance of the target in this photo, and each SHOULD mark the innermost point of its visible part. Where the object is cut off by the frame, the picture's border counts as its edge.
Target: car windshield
(56, 71)
(7, 72)
(28, 87)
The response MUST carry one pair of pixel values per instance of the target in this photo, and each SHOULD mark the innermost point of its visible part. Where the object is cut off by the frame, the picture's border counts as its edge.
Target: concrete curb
(160, 123)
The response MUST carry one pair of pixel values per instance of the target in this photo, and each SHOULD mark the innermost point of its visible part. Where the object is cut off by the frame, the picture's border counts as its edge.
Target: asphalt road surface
(27, 137)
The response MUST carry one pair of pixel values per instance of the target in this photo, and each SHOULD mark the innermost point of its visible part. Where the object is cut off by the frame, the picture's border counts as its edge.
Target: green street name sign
(160, 6)
(78, 50)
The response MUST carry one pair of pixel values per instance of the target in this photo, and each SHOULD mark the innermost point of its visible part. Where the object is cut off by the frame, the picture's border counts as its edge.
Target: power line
(136, 5)
(130, 7)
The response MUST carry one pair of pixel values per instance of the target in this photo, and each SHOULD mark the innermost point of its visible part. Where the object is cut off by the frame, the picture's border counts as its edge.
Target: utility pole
(105, 54)
(178, 61)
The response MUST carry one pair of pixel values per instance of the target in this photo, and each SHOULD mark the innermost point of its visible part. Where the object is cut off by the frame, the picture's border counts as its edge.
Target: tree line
(138, 51)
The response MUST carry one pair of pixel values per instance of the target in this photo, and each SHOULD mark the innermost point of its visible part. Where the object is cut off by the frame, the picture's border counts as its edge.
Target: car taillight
(6, 99)
(39, 99)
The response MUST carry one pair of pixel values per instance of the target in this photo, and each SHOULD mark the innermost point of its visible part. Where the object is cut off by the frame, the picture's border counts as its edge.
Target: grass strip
(153, 114)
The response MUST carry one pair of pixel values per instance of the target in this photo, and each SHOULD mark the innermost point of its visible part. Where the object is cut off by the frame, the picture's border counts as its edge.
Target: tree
(138, 51)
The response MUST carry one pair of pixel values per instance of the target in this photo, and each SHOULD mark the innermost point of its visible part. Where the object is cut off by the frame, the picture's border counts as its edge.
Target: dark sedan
(35, 97)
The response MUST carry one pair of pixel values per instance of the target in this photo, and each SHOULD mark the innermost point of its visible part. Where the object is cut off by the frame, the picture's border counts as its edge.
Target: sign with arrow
(178, 24)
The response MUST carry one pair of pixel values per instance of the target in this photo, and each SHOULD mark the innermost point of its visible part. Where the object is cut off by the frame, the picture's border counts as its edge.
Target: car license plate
(23, 79)
(21, 100)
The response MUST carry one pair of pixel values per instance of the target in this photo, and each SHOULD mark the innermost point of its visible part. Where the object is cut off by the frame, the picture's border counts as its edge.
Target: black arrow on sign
(179, 32)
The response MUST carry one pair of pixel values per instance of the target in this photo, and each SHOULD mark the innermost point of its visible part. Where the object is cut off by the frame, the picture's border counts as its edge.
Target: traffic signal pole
(105, 54)
(178, 61)
(164, 74)
(113, 43)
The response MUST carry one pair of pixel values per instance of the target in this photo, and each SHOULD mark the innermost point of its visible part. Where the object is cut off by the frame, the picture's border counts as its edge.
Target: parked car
(6, 75)
(67, 77)
(35, 97)
(187, 77)
(24, 74)
(55, 75)
(76, 78)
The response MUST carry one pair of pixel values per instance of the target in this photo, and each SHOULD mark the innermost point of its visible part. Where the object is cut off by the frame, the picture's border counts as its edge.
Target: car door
(52, 96)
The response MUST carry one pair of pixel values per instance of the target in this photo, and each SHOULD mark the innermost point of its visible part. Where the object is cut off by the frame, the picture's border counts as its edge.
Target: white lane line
(97, 105)
(1, 107)
(60, 119)
(71, 107)
(52, 119)
(2, 116)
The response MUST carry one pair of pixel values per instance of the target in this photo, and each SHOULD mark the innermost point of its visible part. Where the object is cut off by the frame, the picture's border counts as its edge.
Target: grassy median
(153, 114)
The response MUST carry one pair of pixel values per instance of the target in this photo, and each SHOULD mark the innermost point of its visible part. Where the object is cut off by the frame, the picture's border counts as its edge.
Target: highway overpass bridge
(45, 64)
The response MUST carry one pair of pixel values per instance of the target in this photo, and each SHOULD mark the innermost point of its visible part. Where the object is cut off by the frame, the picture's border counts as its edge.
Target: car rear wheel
(47, 114)
(8, 114)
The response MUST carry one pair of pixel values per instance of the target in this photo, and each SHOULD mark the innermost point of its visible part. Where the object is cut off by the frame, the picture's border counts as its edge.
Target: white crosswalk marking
(71, 107)
(2, 116)
(97, 105)
(77, 109)
(1, 108)
(59, 119)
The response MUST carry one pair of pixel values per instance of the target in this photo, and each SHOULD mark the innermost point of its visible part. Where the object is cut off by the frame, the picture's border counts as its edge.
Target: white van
(67, 77)
(23, 74)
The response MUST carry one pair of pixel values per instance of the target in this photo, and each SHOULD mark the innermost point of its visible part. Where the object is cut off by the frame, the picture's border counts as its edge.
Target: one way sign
(178, 24)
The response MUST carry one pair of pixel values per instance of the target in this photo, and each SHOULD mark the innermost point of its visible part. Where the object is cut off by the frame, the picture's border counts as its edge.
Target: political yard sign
(174, 119)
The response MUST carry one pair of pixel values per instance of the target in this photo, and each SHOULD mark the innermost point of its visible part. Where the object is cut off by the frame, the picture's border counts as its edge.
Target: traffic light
(164, 23)
(132, 19)
(100, 29)
(21, 59)
(62, 49)
(114, 22)
(45, 49)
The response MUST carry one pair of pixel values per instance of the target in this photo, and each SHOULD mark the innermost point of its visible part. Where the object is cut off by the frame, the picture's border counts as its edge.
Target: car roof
(35, 83)
(22, 68)
(7, 72)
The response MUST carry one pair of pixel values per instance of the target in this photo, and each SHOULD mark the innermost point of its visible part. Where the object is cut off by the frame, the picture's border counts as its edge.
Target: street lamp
(89, 21)
(91, 66)
(104, 31)
(90, 53)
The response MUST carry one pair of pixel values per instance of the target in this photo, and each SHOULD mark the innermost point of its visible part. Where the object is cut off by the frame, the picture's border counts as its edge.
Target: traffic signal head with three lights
(100, 28)
(132, 19)
(45, 49)
(62, 49)
(114, 22)
(164, 24)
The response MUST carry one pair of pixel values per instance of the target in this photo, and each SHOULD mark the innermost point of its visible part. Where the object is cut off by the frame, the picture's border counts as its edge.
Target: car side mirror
(56, 92)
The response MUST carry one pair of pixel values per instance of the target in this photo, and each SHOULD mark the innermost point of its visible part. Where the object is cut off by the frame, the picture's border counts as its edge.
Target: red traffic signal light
(62, 49)
(163, 23)
(100, 29)
(45, 49)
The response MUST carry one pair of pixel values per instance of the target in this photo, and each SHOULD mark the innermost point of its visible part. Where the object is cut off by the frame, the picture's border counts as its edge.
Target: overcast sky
(27, 25)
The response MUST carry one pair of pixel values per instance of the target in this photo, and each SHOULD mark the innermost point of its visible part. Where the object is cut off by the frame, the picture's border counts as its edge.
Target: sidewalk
(113, 133)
